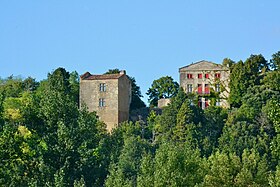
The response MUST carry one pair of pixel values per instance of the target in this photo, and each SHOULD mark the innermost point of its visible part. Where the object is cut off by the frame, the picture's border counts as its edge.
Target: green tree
(177, 165)
(113, 71)
(222, 169)
(136, 101)
(254, 170)
(254, 65)
(185, 117)
(228, 169)
(272, 110)
(124, 172)
(165, 123)
(21, 152)
(76, 139)
(11, 86)
(12, 110)
(56, 103)
(241, 131)
(74, 85)
(245, 75)
(227, 62)
(257, 96)
(146, 176)
(1, 109)
(275, 61)
(30, 103)
(164, 87)
(93, 147)
(58, 80)
(215, 118)
(271, 81)
(274, 178)
(80, 183)
(237, 86)
(30, 84)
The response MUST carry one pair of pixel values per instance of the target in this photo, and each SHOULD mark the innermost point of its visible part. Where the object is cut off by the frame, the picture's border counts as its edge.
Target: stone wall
(163, 103)
(117, 97)
(90, 95)
(124, 98)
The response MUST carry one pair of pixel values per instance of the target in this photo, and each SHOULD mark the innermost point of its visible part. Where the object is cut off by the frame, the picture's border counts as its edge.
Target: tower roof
(203, 65)
(88, 76)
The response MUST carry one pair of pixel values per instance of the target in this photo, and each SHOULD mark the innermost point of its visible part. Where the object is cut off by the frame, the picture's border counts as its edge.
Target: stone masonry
(109, 95)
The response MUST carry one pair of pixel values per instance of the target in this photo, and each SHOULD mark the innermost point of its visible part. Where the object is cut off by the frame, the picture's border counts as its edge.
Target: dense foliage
(45, 140)
(164, 87)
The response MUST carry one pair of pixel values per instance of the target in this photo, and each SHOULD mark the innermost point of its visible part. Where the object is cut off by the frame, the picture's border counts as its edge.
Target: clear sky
(147, 38)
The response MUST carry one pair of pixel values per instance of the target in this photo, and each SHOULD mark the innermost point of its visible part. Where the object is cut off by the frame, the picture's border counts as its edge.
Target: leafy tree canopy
(164, 87)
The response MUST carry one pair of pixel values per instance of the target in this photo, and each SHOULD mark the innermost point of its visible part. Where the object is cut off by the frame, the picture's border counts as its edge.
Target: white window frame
(218, 102)
(102, 87)
(102, 102)
(189, 88)
(217, 87)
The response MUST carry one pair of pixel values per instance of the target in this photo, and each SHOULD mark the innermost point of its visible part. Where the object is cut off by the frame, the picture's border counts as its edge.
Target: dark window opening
(217, 75)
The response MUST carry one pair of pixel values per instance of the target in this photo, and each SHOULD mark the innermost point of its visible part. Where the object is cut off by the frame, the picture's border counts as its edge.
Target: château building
(208, 80)
(109, 95)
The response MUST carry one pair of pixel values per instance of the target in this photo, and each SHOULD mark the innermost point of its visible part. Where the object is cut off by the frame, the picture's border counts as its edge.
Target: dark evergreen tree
(59, 81)
(275, 61)
(237, 84)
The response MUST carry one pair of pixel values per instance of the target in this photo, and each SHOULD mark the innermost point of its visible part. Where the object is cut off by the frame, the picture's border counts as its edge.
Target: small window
(200, 102)
(217, 88)
(217, 75)
(206, 103)
(189, 88)
(218, 103)
(101, 102)
(191, 102)
(199, 75)
(199, 88)
(102, 87)
(206, 76)
(189, 76)
(206, 89)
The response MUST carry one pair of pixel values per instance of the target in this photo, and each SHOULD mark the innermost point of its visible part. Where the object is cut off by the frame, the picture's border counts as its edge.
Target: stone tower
(109, 95)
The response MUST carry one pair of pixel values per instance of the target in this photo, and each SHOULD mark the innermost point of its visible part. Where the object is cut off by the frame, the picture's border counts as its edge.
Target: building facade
(109, 95)
(207, 79)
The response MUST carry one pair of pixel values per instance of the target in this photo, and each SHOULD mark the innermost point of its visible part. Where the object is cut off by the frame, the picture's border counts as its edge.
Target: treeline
(45, 140)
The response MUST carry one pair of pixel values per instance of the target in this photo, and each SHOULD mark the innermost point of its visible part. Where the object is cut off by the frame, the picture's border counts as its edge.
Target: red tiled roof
(88, 76)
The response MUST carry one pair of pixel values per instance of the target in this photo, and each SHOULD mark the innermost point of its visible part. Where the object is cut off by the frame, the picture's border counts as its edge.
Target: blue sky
(149, 39)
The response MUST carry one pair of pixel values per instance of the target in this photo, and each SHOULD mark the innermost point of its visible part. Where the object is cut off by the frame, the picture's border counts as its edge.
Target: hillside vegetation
(46, 140)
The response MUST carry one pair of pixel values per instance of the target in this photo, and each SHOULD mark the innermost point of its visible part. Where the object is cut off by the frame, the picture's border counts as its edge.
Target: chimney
(122, 72)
